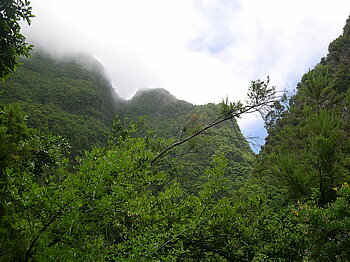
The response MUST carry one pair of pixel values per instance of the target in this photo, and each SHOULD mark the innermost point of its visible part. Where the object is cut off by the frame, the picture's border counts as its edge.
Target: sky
(199, 50)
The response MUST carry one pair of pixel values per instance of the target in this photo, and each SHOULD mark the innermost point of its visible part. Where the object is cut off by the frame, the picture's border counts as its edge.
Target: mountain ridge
(80, 104)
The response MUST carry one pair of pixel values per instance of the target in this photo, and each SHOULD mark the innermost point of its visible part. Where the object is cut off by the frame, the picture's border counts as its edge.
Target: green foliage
(28, 165)
(306, 150)
(338, 60)
(327, 152)
(317, 88)
(326, 230)
(260, 97)
(123, 129)
(115, 206)
(259, 92)
(305, 158)
(14, 135)
(47, 212)
(12, 42)
(228, 108)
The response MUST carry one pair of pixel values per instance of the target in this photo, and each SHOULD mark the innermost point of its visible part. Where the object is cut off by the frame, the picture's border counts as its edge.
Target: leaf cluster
(12, 43)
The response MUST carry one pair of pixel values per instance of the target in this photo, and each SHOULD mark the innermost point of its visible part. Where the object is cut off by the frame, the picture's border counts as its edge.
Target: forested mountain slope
(306, 156)
(169, 117)
(64, 98)
(308, 142)
(338, 60)
(71, 97)
(173, 119)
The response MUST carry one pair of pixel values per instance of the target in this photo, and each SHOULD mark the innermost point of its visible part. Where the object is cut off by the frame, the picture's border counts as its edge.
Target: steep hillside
(306, 151)
(338, 59)
(169, 117)
(64, 98)
(173, 119)
(164, 113)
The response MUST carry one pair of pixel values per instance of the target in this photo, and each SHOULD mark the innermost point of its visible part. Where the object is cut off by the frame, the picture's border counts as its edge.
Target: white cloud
(199, 50)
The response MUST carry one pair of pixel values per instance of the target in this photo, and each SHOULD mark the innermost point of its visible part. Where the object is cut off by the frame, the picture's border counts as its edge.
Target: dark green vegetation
(12, 42)
(209, 199)
(64, 98)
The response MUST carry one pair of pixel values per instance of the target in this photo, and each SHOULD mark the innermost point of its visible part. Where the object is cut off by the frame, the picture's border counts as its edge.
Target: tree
(306, 150)
(326, 229)
(12, 43)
